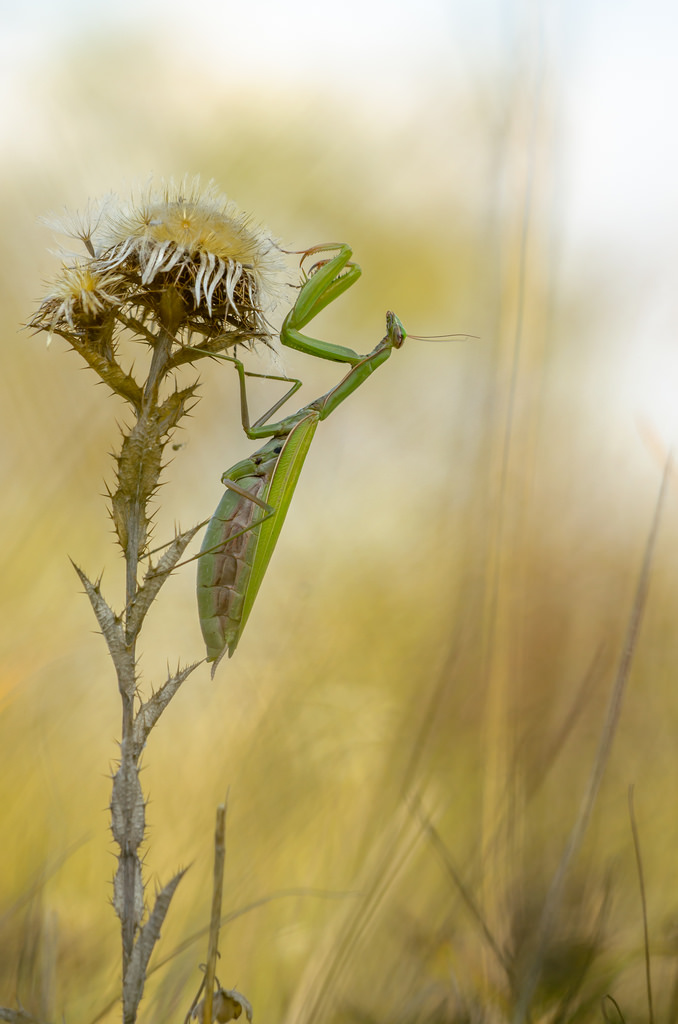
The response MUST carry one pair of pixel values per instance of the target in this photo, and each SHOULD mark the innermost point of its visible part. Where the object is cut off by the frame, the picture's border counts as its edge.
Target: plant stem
(215, 918)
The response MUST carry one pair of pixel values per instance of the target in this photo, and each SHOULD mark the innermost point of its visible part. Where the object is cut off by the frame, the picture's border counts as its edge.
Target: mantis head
(395, 332)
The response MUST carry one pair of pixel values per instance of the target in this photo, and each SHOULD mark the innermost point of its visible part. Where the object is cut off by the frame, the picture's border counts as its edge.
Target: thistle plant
(180, 270)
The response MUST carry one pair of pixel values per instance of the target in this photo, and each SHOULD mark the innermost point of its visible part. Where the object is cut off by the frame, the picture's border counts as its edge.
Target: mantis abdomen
(243, 532)
(227, 555)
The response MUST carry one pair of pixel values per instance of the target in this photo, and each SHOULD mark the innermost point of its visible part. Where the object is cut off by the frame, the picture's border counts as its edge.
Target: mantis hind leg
(257, 429)
(268, 511)
(254, 430)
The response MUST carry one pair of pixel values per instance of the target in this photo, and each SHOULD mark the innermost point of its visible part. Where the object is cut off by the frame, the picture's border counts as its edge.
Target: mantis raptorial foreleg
(327, 280)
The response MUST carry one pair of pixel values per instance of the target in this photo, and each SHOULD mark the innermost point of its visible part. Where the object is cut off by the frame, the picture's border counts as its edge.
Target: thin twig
(215, 917)
(643, 902)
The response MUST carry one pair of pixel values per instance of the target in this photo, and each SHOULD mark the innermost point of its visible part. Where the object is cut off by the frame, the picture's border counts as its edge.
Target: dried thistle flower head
(80, 294)
(196, 240)
(180, 258)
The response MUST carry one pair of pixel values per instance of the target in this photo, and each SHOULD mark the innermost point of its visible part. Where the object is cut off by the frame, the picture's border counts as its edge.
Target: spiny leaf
(109, 623)
(150, 711)
(156, 577)
(135, 976)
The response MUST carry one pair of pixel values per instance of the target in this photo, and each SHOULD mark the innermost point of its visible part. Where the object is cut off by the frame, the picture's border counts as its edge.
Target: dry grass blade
(555, 893)
(324, 977)
(641, 883)
(444, 854)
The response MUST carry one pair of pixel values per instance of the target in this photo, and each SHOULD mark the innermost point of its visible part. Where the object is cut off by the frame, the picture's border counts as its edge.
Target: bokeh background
(407, 729)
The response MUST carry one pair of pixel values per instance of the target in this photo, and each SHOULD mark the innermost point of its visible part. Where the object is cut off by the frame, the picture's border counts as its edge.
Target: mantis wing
(278, 495)
(223, 567)
(237, 547)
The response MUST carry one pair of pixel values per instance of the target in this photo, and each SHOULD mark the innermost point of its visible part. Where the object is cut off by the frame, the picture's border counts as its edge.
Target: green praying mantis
(242, 533)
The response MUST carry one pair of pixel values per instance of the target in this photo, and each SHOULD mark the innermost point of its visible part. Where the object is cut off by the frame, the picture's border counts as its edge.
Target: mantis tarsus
(237, 546)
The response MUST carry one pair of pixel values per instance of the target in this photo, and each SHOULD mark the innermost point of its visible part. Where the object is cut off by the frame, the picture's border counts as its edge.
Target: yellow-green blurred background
(440, 627)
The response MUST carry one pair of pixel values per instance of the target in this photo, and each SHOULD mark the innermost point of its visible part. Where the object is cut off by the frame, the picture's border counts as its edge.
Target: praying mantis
(239, 542)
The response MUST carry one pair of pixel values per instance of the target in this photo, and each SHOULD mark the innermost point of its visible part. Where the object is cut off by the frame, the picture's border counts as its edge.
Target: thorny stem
(139, 464)
(150, 435)
(129, 765)
(178, 262)
(135, 533)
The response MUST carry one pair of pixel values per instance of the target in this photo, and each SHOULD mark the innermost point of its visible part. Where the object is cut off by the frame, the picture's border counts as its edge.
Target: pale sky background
(615, 61)
(612, 64)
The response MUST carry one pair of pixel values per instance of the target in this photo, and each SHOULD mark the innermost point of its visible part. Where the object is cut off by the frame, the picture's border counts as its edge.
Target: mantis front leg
(326, 282)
